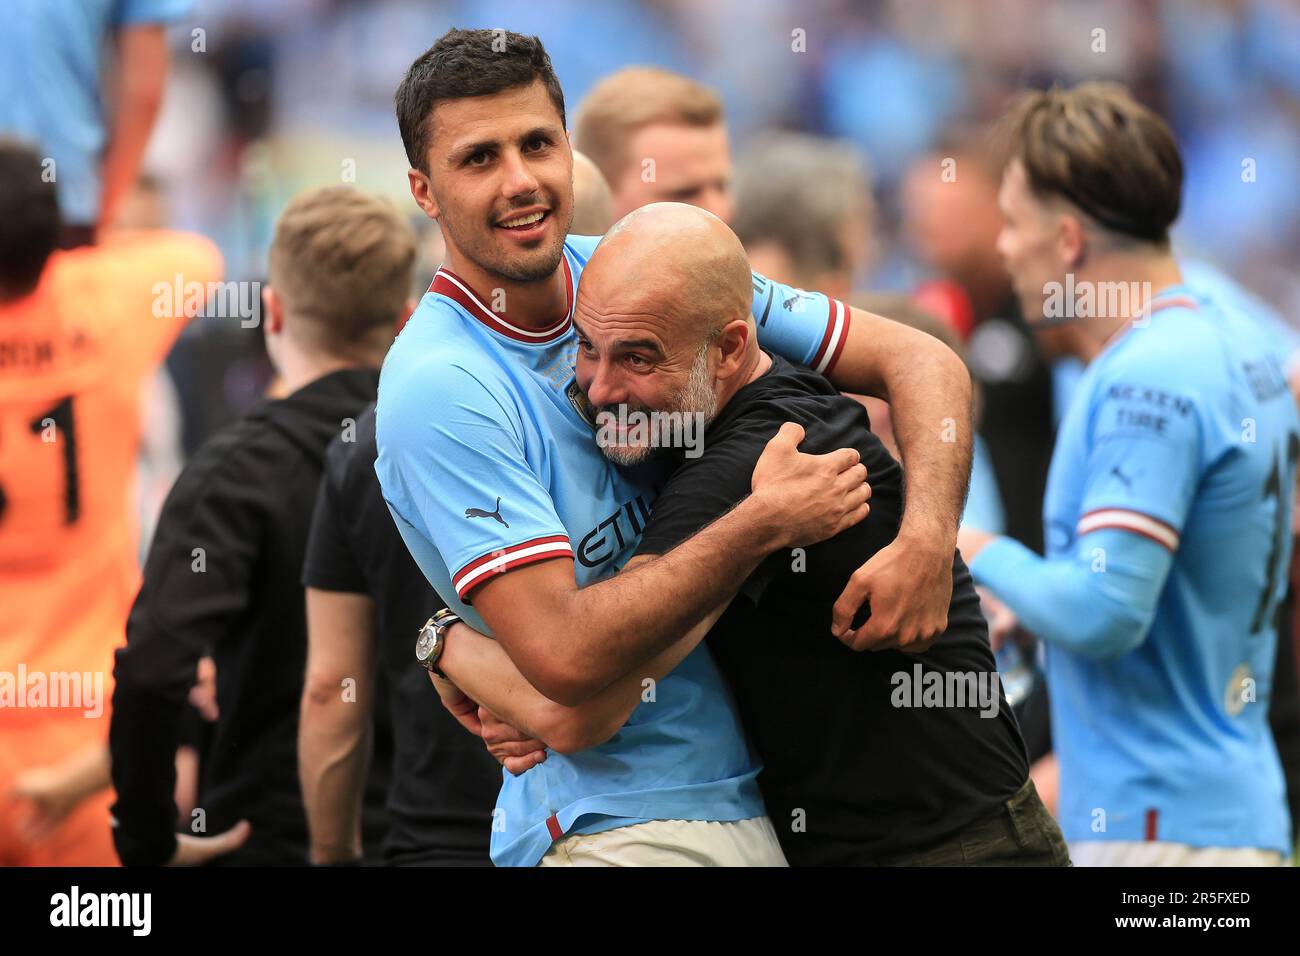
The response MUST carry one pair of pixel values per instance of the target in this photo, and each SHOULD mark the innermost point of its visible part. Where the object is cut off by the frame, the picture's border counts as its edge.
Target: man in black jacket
(223, 571)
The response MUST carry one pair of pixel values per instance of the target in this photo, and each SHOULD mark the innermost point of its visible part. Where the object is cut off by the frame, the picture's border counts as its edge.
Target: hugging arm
(571, 642)
(481, 669)
(909, 583)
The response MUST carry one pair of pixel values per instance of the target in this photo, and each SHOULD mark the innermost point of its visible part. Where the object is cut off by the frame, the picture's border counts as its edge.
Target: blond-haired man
(222, 574)
(657, 136)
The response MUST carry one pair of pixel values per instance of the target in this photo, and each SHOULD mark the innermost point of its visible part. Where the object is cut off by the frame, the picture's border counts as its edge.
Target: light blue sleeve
(1144, 448)
(1099, 602)
(452, 465)
(1138, 473)
(804, 327)
(128, 13)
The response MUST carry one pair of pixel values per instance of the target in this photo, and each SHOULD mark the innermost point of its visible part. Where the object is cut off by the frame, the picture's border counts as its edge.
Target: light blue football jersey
(1216, 286)
(1213, 284)
(1183, 431)
(488, 462)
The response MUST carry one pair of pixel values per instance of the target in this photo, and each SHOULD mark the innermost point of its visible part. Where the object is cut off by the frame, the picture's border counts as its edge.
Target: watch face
(426, 642)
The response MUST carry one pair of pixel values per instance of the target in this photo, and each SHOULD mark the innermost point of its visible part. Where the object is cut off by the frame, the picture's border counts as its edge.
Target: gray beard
(695, 397)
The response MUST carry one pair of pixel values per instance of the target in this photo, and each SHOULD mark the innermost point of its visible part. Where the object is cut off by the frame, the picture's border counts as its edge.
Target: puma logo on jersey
(1128, 482)
(480, 513)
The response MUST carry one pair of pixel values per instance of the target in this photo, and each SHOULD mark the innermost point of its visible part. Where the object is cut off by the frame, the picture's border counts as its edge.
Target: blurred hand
(195, 850)
(203, 695)
(909, 589)
(809, 497)
(512, 748)
(1002, 620)
(45, 796)
(971, 541)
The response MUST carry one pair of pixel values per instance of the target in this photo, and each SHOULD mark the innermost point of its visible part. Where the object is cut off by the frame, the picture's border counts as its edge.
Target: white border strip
(837, 320)
(467, 580)
(1130, 521)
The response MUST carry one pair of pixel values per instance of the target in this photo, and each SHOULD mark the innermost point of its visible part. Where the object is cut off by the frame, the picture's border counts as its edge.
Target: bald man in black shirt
(874, 757)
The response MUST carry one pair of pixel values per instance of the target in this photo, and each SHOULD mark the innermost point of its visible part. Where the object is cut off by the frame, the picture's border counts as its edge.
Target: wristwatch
(433, 638)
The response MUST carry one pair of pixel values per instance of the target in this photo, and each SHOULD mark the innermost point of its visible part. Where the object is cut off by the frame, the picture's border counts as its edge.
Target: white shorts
(1156, 853)
(672, 843)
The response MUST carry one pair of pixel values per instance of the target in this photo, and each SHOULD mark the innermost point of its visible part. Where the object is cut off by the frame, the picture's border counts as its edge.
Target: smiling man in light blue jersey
(487, 462)
(1168, 508)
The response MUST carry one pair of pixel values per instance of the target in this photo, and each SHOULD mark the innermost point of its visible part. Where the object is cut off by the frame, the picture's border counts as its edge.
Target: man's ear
(422, 192)
(272, 311)
(732, 342)
(1071, 241)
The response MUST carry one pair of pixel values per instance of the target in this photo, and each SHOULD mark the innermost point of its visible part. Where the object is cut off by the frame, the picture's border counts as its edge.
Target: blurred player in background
(52, 58)
(80, 334)
(804, 211)
(1168, 507)
(805, 215)
(365, 600)
(657, 136)
(950, 221)
(223, 571)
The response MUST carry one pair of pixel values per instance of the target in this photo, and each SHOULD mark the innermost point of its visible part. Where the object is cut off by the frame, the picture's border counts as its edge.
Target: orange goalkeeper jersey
(74, 357)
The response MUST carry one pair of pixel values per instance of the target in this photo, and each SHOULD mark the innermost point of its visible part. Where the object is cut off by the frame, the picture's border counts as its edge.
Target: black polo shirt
(853, 770)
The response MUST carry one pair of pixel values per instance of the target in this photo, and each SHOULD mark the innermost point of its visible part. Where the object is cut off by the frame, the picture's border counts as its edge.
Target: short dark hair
(1105, 152)
(29, 218)
(468, 63)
